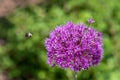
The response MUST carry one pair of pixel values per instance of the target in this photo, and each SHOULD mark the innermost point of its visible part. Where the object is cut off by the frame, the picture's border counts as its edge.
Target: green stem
(89, 24)
(75, 75)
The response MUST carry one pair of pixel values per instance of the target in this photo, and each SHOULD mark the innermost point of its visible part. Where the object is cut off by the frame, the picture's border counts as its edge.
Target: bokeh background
(26, 59)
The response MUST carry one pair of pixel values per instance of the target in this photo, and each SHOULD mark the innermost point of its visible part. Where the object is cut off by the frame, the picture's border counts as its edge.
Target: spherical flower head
(91, 21)
(74, 46)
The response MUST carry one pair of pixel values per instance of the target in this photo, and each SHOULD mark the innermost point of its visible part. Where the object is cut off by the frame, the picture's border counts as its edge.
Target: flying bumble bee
(28, 34)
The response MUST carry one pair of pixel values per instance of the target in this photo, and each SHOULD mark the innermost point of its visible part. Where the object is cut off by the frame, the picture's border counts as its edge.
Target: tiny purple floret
(74, 46)
(91, 21)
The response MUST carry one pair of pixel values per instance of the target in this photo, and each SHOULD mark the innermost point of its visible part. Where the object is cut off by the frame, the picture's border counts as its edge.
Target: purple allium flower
(91, 21)
(74, 46)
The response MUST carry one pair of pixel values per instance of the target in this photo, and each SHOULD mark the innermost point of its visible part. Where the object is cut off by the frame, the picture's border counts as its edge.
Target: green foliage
(26, 58)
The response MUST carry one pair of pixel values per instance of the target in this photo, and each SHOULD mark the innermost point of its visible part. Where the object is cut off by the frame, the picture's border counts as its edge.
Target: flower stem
(75, 75)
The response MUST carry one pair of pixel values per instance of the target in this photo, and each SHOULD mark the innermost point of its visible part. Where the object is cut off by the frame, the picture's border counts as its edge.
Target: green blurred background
(26, 59)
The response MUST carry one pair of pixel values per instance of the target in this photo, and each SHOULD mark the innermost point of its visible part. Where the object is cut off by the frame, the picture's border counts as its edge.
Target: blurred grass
(26, 59)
